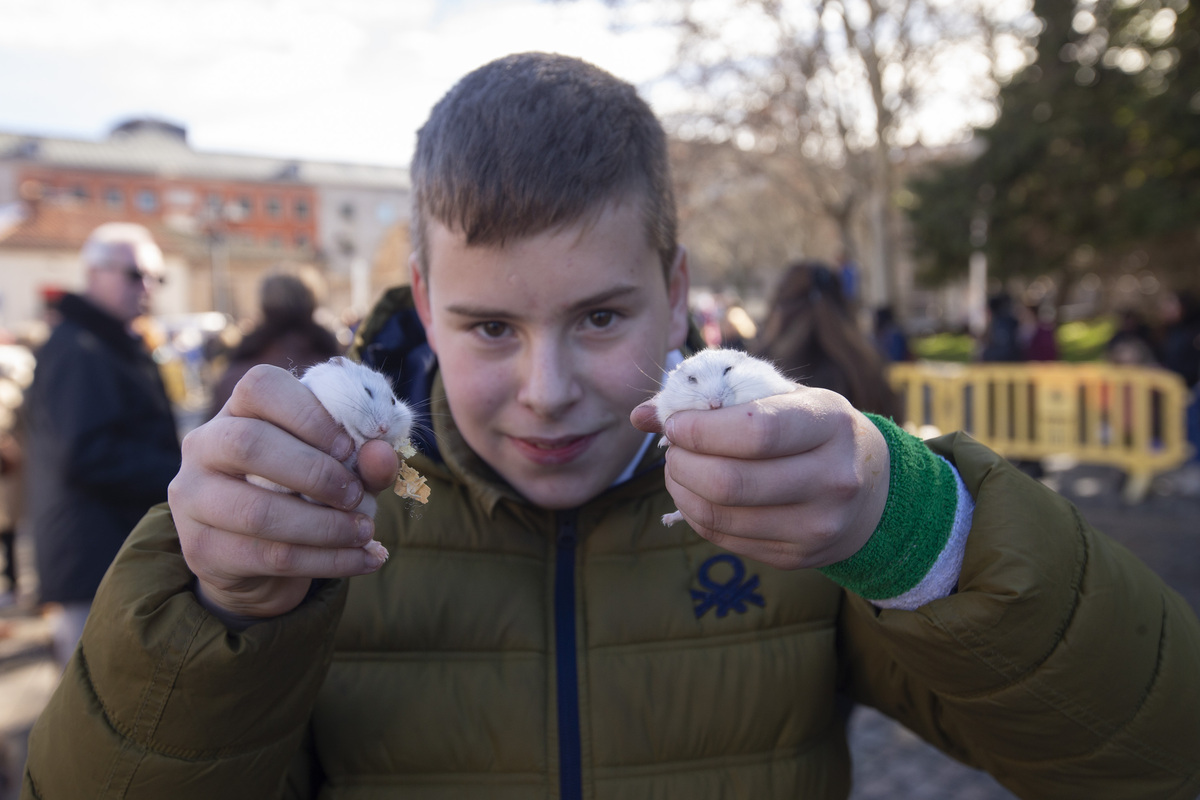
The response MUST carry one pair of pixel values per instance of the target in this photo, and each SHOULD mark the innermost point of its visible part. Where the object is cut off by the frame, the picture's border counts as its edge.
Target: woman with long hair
(811, 335)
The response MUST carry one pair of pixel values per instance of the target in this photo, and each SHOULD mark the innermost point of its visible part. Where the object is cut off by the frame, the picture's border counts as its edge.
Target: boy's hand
(795, 480)
(254, 551)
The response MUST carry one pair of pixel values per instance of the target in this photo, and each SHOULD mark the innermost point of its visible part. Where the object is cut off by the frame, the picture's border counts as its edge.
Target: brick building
(231, 218)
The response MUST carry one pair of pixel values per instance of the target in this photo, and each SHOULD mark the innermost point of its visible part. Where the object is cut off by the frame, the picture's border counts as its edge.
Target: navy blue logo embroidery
(732, 594)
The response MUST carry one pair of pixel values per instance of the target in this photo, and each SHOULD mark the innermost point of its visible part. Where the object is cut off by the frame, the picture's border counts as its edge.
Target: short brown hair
(532, 141)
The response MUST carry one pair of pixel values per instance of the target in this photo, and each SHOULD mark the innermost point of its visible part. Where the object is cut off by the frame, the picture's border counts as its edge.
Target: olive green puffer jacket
(511, 652)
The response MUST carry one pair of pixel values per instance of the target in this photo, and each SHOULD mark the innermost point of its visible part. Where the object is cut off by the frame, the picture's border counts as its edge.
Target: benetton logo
(732, 594)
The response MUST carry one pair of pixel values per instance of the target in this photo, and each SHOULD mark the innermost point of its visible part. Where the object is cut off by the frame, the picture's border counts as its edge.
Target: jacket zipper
(570, 755)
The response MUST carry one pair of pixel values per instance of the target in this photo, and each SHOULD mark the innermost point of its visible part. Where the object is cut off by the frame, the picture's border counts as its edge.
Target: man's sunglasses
(137, 275)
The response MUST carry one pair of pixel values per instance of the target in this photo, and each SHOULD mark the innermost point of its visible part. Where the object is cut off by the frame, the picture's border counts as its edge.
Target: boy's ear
(420, 292)
(678, 283)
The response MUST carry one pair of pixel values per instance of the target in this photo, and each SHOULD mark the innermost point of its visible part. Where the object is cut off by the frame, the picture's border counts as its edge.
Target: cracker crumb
(411, 484)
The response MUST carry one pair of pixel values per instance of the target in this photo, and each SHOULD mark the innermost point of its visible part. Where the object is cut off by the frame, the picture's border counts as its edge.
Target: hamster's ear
(420, 291)
(678, 282)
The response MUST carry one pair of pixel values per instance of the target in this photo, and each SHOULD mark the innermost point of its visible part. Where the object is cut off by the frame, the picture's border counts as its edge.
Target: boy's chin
(563, 491)
(549, 498)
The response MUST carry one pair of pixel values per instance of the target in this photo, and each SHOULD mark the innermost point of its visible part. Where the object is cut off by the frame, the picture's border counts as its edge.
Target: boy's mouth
(550, 452)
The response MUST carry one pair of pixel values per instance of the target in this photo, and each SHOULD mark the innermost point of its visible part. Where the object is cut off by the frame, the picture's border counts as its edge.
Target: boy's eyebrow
(600, 298)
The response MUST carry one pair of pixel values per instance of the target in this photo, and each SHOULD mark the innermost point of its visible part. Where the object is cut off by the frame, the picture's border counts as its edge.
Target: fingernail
(377, 552)
(352, 494)
(343, 446)
(669, 429)
(366, 531)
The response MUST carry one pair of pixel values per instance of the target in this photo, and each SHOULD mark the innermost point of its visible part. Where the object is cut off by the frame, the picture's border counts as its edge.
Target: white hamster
(361, 400)
(716, 378)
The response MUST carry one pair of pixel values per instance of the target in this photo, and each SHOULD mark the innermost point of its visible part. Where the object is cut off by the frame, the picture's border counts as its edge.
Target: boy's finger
(234, 556)
(645, 418)
(378, 465)
(769, 482)
(275, 395)
(786, 424)
(239, 446)
(246, 510)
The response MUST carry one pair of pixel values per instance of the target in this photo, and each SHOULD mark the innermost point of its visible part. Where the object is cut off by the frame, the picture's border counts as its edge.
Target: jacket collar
(104, 326)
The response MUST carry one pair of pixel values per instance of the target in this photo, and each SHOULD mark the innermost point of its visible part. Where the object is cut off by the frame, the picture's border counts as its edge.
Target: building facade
(232, 218)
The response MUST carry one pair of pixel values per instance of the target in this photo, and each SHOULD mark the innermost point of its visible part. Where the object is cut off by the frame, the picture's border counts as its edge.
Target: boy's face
(547, 343)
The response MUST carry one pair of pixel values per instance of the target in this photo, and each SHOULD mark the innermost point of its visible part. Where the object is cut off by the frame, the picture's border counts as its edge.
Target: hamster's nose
(715, 402)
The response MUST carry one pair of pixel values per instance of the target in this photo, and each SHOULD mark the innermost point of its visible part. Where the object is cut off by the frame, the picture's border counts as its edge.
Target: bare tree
(820, 95)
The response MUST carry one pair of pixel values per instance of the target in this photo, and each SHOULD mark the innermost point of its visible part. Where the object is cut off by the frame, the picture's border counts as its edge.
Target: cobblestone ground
(890, 763)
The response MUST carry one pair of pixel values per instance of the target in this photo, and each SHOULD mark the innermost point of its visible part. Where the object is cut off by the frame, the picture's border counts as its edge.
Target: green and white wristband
(915, 554)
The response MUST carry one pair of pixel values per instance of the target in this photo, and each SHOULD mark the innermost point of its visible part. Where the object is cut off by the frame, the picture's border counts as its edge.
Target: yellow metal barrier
(1129, 417)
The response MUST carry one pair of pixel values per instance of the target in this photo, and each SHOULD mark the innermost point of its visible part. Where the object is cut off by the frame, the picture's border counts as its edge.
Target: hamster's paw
(377, 550)
(672, 518)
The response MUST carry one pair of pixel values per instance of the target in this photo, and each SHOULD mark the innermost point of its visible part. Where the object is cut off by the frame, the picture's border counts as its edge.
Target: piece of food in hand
(410, 484)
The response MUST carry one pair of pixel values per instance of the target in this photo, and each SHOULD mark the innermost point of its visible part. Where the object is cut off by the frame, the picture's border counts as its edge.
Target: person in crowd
(537, 631)
(738, 328)
(890, 339)
(1002, 340)
(1181, 354)
(810, 334)
(1132, 343)
(10, 512)
(1181, 339)
(287, 336)
(1041, 343)
(101, 441)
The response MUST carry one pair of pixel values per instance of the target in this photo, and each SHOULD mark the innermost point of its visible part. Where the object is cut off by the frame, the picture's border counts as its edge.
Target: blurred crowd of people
(91, 416)
(90, 438)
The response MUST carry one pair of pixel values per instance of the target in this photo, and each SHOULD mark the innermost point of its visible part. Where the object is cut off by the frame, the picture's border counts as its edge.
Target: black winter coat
(102, 447)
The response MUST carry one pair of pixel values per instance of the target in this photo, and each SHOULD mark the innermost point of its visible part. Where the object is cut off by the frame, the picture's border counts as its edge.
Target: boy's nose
(549, 386)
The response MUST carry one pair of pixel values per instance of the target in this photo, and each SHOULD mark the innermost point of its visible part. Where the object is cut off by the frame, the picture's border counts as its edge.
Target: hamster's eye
(691, 378)
(393, 401)
(726, 372)
(370, 394)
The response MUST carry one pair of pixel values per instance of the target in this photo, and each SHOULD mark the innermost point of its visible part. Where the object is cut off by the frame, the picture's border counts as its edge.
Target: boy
(537, 631)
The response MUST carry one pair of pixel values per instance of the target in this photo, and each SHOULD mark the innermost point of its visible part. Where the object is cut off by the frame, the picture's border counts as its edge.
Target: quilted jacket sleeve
(162, 701)
(1063, 666)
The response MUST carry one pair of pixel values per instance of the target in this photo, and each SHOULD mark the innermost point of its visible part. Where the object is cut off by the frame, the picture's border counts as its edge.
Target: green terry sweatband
(916, 522)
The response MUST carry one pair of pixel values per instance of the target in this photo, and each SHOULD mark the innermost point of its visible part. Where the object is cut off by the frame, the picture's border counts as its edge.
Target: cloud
(304, 78)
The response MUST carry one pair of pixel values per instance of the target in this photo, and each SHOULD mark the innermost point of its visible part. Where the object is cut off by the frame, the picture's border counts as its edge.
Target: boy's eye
(492, 329)
(601, 319)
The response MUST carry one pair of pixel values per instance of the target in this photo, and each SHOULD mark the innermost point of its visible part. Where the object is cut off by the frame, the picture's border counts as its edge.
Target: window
(114, 197)
(347, 211)
(212, 202)
(275, 241)
(274, 207)
(180, 197)
(300, 208)
(301, 240)
(147, 200)
(247, 206)
(80, 192)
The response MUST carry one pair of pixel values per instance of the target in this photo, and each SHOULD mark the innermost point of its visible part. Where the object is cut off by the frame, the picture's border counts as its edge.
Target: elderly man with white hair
(101, 437)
